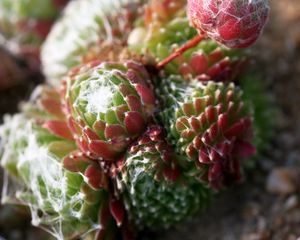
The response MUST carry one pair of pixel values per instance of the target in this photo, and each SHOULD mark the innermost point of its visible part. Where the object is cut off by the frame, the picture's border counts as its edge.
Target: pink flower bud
(233, 23)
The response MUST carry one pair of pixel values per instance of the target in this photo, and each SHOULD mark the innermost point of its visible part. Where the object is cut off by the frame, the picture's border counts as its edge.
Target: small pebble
(291, 203)
(282, 181)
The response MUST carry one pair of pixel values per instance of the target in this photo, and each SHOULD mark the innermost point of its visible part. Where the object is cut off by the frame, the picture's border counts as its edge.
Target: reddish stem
(191, 43)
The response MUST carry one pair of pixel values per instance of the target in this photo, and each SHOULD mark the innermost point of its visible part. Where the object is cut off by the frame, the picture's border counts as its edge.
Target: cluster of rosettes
(134, 145)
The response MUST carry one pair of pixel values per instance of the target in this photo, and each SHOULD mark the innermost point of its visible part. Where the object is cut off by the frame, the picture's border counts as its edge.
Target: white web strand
(45, 185)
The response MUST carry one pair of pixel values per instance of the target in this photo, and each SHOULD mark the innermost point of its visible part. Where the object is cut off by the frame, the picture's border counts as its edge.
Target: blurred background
(267, 206)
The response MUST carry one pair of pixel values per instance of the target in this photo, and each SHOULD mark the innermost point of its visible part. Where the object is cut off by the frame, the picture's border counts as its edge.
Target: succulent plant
(156, 194)
(67, 193)
(59, 200)
(209, 124)
(104, 22)
(234, 23)
(110, 105)
(207, 60)
(25, 24)
(123, 144)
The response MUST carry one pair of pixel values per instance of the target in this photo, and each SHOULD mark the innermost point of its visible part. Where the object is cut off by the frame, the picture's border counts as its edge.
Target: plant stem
(191, 43)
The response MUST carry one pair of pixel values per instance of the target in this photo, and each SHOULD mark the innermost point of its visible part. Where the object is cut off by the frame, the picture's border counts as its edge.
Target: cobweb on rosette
(34, 177)
(234, 23)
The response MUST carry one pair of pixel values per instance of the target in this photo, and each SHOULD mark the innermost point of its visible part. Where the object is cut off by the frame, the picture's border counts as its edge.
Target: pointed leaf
(134, 123)
(215, 171)
(53, 107)
(199, 63)
(114, 131)
(76, 162)
(102, 149)
(134, 103)
(96, 178)
(117, 210)
(245, 149)
(146, 94)
(203, 157)
(58, 128)
(235, 130)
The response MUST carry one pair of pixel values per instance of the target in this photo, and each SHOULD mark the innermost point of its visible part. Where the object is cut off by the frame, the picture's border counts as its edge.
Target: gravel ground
(267, 206)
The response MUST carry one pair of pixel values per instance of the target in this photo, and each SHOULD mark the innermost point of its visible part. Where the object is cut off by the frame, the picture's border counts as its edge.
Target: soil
(262, 208)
